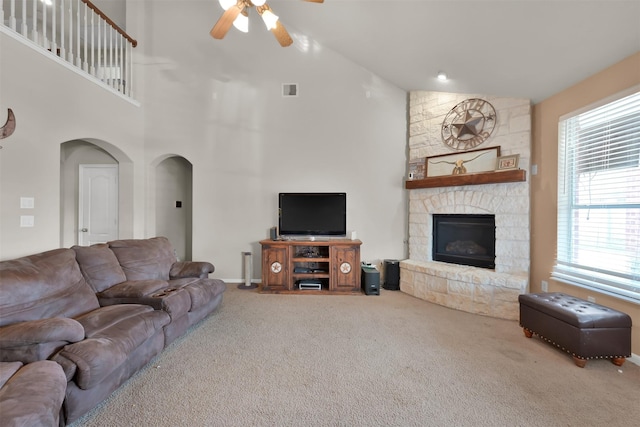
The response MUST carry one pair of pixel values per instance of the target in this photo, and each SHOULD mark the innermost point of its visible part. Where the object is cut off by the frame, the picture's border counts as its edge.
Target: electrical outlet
(545, 286)
(591, 299)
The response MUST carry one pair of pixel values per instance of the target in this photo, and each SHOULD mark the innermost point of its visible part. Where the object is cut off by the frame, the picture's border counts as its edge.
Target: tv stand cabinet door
(275, 268)
(345, 269)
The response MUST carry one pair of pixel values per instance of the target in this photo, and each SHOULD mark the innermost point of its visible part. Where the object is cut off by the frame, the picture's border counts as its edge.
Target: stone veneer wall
(476, 290)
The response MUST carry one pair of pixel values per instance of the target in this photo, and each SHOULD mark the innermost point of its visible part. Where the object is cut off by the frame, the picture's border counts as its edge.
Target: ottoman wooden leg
(527, 333)
(618, 361)
(579, 362)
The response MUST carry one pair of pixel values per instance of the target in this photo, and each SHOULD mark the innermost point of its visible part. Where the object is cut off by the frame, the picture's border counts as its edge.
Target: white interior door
(98, 204)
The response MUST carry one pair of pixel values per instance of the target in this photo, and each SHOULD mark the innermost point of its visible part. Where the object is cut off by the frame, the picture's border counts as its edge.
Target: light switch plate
(27, 220)
(27, 203)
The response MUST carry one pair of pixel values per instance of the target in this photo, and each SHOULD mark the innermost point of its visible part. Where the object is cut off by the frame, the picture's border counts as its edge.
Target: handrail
(95, 8)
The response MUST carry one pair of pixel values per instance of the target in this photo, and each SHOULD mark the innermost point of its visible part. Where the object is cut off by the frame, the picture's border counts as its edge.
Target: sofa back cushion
(99, 266)
(44, 285)
(144, 259)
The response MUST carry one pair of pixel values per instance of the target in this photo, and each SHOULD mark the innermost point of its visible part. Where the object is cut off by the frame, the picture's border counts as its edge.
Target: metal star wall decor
(468, 124)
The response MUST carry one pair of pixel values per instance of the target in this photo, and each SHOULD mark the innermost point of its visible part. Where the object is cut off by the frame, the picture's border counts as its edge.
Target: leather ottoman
(583, 329)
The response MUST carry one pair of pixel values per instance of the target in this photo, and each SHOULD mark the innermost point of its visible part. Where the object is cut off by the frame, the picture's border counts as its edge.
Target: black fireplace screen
(465, 239)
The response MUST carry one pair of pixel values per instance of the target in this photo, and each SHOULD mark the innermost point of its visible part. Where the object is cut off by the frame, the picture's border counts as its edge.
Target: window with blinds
(599, 198)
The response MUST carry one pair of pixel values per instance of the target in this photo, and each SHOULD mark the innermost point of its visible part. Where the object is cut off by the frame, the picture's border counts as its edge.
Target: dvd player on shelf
(310, 284)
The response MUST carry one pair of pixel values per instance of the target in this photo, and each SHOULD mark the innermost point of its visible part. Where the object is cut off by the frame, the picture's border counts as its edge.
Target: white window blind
(599, 199)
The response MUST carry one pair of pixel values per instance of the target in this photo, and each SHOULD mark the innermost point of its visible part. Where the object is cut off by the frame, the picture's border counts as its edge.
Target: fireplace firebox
(465, 239)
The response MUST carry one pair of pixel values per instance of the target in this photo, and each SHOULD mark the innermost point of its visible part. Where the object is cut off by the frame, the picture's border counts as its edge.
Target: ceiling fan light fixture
(236, 14)
(270, 19)
(242, 23)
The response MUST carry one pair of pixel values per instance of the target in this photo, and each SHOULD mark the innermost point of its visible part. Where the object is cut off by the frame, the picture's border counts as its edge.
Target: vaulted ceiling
(520, 48)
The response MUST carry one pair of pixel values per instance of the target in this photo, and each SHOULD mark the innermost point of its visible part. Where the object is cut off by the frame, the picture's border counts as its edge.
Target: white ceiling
(518, 48)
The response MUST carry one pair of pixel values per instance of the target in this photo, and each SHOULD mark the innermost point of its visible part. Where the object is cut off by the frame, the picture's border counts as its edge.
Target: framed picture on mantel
(474, 161)
(508, 162)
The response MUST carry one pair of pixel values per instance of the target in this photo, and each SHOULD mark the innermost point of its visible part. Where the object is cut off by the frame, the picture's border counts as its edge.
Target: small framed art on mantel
(508, 162)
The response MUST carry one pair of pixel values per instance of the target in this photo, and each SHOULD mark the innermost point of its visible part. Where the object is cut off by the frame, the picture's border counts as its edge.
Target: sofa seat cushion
(99, 266)
(31, 395)
(112, 334)
(144, 259)
(159, 294)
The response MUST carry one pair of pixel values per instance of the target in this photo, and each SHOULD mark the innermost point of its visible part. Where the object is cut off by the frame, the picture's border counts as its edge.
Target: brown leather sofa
(49, 309)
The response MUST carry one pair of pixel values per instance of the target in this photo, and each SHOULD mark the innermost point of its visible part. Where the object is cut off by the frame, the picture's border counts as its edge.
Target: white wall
(218, 105)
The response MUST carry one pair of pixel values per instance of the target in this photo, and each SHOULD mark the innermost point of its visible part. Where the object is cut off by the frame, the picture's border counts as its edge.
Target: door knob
(84, 230)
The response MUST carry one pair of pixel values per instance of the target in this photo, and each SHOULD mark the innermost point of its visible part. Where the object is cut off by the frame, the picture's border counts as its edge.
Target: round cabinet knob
(276, 267)
(345, 268)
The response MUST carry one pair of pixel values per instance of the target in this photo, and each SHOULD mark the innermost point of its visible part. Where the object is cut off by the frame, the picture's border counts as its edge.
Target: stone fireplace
(488, 291)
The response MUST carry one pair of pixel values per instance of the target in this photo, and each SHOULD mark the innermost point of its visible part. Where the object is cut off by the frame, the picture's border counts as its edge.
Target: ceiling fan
(236, 14)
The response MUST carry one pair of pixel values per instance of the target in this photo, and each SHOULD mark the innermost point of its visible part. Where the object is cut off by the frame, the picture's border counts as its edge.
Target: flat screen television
(312, 214)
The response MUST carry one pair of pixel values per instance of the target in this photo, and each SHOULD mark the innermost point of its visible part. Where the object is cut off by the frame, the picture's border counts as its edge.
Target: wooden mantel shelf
(515, 175)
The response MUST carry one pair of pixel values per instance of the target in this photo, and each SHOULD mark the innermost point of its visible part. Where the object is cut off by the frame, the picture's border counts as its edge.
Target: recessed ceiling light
(442, 76)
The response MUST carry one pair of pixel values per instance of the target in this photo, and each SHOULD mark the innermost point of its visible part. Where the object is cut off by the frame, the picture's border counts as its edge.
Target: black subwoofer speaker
(370, 280)
(391, 275)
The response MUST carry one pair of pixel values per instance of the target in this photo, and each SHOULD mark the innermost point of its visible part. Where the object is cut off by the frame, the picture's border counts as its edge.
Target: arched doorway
(91, 152)
(174, 204)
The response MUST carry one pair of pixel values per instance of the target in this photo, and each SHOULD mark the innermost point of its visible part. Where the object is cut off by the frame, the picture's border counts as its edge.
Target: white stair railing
(77, 32)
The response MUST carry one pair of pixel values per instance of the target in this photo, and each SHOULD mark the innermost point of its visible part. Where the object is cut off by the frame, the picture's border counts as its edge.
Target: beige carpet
(388, 360)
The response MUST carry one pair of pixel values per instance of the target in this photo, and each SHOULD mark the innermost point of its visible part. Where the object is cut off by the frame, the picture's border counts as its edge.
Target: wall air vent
(289, 90)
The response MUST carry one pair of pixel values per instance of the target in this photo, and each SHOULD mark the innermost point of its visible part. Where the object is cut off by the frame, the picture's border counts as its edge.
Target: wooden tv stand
(311, 266)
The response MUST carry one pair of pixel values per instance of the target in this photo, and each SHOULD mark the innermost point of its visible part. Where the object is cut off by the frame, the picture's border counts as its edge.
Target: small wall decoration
(508, 162)
(473, 161)
(416, 169)
(9, 126)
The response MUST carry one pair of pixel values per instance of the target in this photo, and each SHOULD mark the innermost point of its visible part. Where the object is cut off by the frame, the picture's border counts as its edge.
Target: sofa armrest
(32, 395)
(37, 339)
(184, 269)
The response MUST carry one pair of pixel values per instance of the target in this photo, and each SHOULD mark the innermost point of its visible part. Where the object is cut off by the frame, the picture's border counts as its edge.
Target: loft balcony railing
(77, 32)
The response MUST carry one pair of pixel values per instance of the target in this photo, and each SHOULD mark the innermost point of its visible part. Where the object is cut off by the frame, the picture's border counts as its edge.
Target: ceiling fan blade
(282, 35)
(226, 20)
